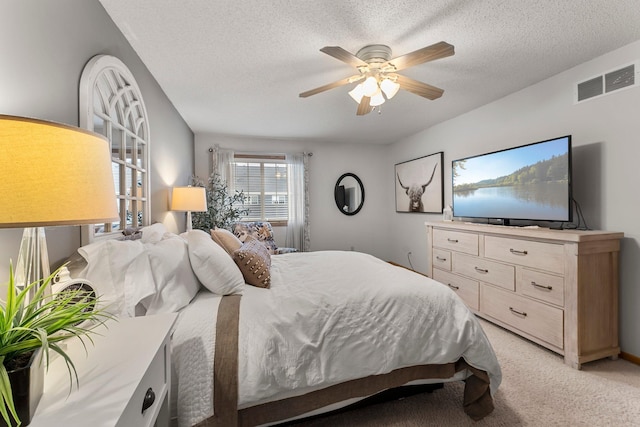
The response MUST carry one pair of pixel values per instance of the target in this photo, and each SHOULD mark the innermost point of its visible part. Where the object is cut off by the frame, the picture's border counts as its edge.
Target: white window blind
(265, 185)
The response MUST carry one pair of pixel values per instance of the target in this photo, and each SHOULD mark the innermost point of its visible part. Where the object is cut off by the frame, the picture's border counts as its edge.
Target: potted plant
(223, 209)
(29, 328)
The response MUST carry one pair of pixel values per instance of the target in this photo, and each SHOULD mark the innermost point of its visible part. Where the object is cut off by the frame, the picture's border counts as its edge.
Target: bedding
(333, 326)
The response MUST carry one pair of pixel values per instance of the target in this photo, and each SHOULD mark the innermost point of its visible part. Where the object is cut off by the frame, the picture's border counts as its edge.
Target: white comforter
(328, 317)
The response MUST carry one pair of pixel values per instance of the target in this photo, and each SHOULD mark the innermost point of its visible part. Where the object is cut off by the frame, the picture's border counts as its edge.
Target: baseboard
(630, 357)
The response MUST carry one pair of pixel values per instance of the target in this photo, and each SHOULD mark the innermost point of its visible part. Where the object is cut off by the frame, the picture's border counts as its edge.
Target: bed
(326, 329)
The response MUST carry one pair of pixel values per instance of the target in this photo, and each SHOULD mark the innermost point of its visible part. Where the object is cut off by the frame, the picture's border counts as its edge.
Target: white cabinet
(558, 288)
(131, 359)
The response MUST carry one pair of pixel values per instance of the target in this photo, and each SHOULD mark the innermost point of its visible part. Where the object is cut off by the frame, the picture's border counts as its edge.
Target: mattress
(329, 317)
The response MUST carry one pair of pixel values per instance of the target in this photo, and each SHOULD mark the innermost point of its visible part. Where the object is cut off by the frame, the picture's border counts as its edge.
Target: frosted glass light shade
(357, 93)
(53, 174)
(370, 86)
(193, 199)
(377, 98)
(389, 87)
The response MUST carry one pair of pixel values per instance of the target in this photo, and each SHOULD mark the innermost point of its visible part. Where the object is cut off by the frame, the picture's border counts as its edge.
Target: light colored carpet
(537, 389)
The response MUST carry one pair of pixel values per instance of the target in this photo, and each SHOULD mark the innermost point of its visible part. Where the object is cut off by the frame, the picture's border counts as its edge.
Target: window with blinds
(264, 183)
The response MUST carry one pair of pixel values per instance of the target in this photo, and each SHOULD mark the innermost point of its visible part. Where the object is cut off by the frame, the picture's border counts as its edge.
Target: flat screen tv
(530, 182)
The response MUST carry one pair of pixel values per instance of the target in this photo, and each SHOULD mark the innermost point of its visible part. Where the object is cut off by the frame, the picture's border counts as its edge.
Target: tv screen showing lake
(545, 201)
(529, 182)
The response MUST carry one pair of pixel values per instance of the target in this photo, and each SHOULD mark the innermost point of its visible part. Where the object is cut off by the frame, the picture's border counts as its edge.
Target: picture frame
(419, 184)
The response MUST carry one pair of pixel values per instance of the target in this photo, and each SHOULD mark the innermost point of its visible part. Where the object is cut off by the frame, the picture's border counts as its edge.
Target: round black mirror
(349, 194)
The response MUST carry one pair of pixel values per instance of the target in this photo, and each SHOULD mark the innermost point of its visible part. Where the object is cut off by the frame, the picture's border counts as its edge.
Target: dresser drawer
(466, 289)
(155, 378)
(456, 241)
(502, 275)
(543, 286)
(544, 256)
(535, 318)
(441, 259)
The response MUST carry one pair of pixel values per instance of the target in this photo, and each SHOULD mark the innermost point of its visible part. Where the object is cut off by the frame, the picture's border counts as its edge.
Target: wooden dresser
(558, 288)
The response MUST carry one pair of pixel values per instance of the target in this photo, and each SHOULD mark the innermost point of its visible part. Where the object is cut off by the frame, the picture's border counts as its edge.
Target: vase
(27, 386)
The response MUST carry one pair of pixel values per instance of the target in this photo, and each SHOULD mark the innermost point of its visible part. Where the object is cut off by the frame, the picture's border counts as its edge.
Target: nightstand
(129, 363)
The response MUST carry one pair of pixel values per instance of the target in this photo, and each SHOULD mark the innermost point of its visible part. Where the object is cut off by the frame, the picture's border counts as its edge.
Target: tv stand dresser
(557, 288)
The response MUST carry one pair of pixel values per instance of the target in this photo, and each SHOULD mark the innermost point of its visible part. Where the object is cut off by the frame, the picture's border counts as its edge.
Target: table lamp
(51, 174)
(189, 199)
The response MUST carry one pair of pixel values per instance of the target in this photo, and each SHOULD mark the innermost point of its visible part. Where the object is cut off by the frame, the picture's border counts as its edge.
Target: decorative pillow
(260, 230)
(254, 261)
(213, 266)
(176, 283)
(131, 233)
(226, 240)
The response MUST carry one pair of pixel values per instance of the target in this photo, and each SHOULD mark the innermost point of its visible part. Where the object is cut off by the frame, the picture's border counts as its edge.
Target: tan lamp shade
(53, 174)
(189, 199)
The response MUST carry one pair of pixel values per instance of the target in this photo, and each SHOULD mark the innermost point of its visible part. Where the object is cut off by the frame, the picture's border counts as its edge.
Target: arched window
(111, 104)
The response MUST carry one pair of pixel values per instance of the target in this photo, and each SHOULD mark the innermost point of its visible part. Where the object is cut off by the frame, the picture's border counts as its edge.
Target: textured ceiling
(237, 67)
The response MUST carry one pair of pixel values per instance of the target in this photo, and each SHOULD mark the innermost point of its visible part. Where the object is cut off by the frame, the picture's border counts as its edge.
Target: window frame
(262, 159)
(123, 113)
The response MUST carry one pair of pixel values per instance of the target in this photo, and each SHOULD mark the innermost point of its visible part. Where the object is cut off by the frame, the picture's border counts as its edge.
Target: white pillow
(176, 283)
(153, 233)
(138, 285)
(212, 264)
(108, 263)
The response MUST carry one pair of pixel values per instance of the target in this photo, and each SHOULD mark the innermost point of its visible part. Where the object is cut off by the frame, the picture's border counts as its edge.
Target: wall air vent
(604, 84)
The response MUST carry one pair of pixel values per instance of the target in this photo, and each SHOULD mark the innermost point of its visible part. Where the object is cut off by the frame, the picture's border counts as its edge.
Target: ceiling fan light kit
(378, 70)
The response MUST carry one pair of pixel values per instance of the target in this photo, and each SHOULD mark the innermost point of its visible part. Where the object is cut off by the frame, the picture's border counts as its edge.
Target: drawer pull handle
(149, 398)
(537, 285)
(519, 313)
(455, 288)
(481, 270)
(440, 258)
(516, 252)
(452, 240)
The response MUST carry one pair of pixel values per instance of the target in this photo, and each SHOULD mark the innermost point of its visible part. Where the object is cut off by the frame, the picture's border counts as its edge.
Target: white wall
(606, 159)
(330, 229)
(45, 45)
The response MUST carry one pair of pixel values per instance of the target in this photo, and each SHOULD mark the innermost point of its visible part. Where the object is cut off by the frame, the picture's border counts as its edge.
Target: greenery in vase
(42, 322)
(223, 209)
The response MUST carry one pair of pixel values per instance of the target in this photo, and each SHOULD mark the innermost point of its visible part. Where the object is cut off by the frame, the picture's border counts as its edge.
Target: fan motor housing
(374, 53)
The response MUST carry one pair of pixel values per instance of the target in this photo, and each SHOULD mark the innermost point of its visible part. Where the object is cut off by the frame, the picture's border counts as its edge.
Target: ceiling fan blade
(326, 87)
(364, 107)
(419, 88)
(344, 56)
(420, 56)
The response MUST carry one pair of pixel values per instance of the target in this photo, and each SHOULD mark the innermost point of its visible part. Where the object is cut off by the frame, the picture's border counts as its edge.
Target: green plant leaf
(6, 402)
(42, 322)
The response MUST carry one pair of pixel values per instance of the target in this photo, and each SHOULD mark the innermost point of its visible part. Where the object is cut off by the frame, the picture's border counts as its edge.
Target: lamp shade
(53, 174)
(190, 199)
(390, 88)
(357, 93)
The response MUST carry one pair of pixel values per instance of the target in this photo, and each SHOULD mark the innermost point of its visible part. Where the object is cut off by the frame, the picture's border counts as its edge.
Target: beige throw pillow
(226, 239)
(254, 262)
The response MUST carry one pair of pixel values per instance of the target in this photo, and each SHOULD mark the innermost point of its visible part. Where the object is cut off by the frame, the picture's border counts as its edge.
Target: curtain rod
(310, 154)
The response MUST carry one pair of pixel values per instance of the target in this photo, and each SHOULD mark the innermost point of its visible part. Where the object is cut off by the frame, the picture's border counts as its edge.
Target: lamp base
(33, 260)
(189, 224)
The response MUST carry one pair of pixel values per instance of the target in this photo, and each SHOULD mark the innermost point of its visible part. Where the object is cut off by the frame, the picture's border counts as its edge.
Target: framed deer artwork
(419, 184)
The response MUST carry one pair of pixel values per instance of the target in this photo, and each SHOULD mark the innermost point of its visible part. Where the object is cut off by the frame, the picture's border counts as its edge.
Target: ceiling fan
(377, 71)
